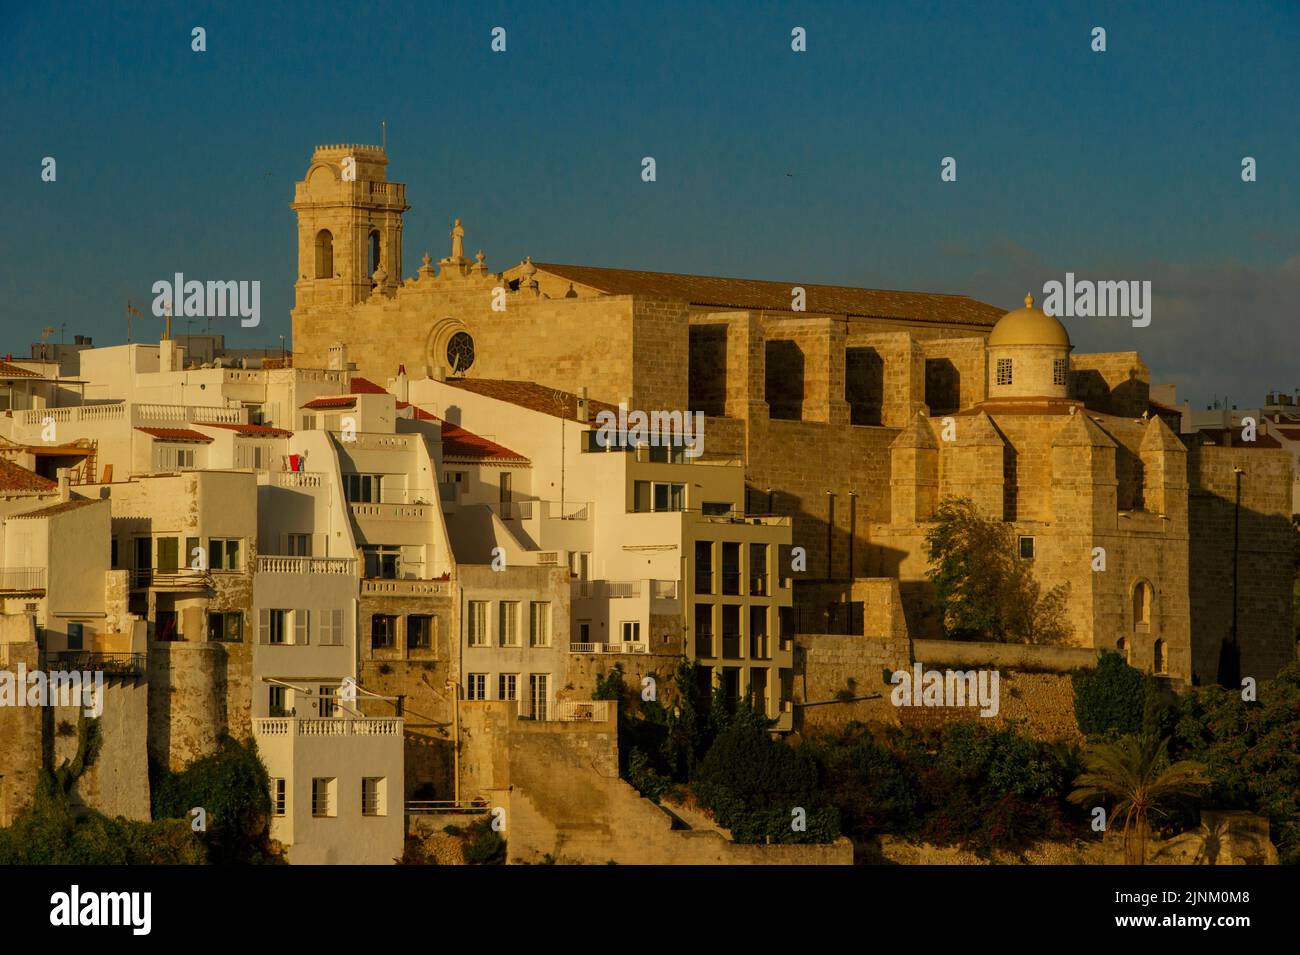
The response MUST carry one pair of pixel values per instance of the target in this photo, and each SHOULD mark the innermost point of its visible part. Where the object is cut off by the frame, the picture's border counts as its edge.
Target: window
(758, 570)
(277, 796)
(112, 552)
(1142, 598)
(329, 706)
(584, 631)
(273, 627)
(301, 628)
(419, 632)
(383, 631)
(731, 568)
(704, 567)
(322, 796)
(165, 626)
(476, 686)
(363, 488)
(1058, 371)
(507, 686)
(76, 636)
(331, 628)
(477, 625)
(1161, 660)
(508, 624)
(539, 624)
(506, 490)
(656, 496)
(168, 555)
(256, 456)
(1121, 645)
(223, 553)
(631, 631)
(324, 254)
(1027, 548)
(375, 259)
(278, 701)
(382, 562)
(171, 458)
(539, 694)
(297, 545)
(373, 796)
(1004, 371)
(226, 627)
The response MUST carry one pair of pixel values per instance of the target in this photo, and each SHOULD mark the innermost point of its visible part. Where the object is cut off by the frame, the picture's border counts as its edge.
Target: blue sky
(813, 167)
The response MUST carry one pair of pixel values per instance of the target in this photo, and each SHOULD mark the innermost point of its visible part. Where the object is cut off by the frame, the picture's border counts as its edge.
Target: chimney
(402, 384)
(65, 489)
(168, 359)
(338, 357)
(582, 406)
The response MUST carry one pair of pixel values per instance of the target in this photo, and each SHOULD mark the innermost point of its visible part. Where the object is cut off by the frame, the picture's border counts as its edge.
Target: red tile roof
(333, 401)
(13, 371)
(263, 430)
(457, 443)
(177, 434)
(711, 291)
(15, 477)
(530, 395)
(59, 508)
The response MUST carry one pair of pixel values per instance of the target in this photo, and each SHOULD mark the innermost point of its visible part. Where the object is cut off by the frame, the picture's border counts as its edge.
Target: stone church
(855, 415)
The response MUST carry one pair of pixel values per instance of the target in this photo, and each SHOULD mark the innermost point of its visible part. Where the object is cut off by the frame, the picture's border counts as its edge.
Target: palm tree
(1135, 773)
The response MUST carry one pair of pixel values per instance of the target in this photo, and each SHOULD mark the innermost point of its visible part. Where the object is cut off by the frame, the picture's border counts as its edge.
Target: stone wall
(22, 729)
(1265, 568)
(1117, 383)
(187, 701)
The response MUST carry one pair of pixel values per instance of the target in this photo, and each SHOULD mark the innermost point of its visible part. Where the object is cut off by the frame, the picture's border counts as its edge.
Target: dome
(1029, 326)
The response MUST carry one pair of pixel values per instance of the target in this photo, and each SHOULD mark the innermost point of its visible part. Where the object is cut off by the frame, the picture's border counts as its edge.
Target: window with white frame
(329, 706)
(363, 488)
(278, 701)
(507, 686)
(477, 623)
(297, 545)
(476, 686)
(631, 631)
(273, 626)
(278, 794)
(539, 623)
(170, 457)
(508, 623)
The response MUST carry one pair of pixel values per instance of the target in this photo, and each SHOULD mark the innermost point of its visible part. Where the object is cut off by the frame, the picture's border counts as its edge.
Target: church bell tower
(349, 227)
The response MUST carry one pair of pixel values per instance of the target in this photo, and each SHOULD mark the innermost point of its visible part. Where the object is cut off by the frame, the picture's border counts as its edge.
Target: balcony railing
(111, 664)
(405, 588)
(446, 807)
(663, 589)
(731, 583)
(608, 648)
(327, 726)
(703, 581)
(390, 511)
(170, 579)
(22, 578)
(304, 479)
(340, 566)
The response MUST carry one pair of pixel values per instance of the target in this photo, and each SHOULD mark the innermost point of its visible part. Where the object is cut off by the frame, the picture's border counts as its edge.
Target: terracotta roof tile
(263, 430)
(59, 508)
(710, 291)
(530, 395)
(332, 401)
(459, 444)
(177, 434)
(15, 477)
(13, 371)
(1225, 438)
(364, 386)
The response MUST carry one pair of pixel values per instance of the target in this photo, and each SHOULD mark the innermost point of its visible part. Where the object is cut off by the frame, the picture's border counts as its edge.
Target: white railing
(624, 588)
(310, 479)
(613, 589)
(374, 442)
(143, 414)
(608, 648)
(342, 566)
(105, 412)
(406, 588)
(290, 726)
(22, 578)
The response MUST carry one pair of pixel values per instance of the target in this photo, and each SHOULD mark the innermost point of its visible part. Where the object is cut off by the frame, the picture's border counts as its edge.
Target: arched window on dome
(324, 254)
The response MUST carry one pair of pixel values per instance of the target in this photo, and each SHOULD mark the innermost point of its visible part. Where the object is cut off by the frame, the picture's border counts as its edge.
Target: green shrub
(484, 845)
(1110, 700)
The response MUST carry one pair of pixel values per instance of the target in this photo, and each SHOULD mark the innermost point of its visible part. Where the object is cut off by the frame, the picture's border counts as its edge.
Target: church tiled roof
(712, 292)
(531, 395)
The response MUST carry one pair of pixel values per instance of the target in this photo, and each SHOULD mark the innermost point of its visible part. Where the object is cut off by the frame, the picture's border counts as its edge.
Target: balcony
(303, 479)
(327, 726)
(731, 646)
(171, 580)
(336, 566)
(391, 512)
(382, 587)
(608, 648)
(22, 579)
(110, 664)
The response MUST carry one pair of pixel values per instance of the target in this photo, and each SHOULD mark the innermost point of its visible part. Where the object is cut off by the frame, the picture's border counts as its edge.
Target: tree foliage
(984, 590)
